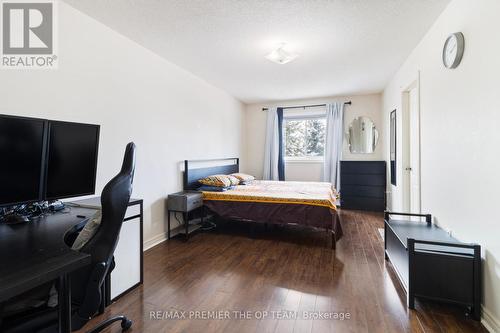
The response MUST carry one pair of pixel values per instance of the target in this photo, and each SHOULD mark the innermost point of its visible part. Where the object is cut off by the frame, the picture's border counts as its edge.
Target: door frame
(406, 178)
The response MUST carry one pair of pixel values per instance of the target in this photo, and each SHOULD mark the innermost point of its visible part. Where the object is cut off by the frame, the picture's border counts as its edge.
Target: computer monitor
(71, 160)
(22, 144)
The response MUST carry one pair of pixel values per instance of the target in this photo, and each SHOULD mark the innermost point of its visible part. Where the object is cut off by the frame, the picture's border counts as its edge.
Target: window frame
(302, 159)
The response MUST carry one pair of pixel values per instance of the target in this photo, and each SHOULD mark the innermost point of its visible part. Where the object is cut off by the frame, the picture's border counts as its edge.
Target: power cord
(206, 225)
(33, 210)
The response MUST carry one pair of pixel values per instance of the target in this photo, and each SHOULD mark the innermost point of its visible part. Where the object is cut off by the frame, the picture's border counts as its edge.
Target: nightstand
(184, 202)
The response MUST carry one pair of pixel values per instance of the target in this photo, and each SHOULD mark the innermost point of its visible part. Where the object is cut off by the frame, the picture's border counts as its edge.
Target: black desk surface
(35, 252)
(95, 202)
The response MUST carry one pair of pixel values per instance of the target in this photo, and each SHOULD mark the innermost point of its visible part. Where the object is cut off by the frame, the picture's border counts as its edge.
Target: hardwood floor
(282, 271)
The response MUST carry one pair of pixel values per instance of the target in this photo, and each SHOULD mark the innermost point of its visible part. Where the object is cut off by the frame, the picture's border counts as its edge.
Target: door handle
(408, 169)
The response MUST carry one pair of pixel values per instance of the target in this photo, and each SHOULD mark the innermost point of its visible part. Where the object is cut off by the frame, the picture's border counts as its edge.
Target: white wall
(255, 129)
(460, 157)
(135, 95)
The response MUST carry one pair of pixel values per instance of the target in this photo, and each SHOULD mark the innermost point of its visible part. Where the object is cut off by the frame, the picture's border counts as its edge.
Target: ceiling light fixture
(281, 56)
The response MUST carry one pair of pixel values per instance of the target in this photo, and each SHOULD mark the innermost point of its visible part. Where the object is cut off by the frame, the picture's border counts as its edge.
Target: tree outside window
(305, 138)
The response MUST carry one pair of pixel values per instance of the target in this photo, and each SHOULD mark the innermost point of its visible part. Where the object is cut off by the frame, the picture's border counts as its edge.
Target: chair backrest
(86, 283)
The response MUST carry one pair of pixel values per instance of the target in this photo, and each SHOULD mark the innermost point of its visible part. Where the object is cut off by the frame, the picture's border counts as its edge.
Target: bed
(311, 204)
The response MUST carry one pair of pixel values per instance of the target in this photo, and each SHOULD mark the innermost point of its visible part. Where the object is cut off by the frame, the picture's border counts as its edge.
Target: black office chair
(87, 283)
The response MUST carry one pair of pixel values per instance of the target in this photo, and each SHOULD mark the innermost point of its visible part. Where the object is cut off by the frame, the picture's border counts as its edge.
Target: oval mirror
(362, 136)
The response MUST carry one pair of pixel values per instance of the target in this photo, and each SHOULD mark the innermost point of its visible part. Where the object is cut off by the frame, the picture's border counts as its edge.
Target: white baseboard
(160, 238)
(489, 321)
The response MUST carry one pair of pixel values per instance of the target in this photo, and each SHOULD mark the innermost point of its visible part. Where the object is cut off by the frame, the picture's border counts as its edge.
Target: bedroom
(189, 80)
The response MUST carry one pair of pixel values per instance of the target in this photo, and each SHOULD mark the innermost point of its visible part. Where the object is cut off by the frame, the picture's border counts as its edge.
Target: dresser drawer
(363, 167)
(363, 191)
(363, 203)
(369, 180)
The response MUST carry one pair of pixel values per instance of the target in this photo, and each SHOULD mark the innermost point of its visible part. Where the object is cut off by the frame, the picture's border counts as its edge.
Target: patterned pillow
(216, 180)
(243, 177)
(88, 231)
(233, 180)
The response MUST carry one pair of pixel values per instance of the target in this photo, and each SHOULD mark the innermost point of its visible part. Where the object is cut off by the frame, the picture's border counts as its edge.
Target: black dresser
(362, 185)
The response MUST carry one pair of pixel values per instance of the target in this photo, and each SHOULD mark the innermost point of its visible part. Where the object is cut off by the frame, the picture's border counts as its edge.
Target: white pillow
(88, 231)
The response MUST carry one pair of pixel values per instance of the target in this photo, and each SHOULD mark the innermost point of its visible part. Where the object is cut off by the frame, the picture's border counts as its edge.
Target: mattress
(320, 194)
(304, 203)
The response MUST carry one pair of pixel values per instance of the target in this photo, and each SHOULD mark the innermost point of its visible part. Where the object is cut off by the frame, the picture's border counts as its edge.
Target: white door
(412, 167)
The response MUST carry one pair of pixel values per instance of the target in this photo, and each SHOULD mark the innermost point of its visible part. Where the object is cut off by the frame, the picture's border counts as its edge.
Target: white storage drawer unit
(128, 271)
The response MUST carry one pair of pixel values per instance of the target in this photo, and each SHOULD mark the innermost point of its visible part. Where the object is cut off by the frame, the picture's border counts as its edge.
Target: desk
(35, 253)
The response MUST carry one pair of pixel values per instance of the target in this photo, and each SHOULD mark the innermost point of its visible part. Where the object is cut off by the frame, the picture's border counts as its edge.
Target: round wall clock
(453, 50)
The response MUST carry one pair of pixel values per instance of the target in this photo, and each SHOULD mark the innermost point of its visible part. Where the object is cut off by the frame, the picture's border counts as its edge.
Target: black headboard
(193, 174)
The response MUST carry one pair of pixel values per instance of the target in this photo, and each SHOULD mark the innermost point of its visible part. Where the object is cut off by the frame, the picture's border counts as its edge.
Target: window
(304, 138)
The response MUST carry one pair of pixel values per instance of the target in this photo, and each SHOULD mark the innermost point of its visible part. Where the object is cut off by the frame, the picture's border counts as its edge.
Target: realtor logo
(28, 34)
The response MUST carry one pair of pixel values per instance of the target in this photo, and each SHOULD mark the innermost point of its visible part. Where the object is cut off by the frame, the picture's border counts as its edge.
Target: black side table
(184, 202)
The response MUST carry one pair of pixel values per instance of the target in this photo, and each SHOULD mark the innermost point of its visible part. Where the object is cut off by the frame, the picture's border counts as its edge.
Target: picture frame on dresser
(393, 147)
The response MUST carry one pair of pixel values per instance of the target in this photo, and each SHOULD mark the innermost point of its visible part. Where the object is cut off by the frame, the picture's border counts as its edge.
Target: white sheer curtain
(333, 143)
(271, 153)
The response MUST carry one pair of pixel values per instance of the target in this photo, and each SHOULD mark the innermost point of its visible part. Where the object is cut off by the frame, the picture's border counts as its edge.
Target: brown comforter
(304, 203)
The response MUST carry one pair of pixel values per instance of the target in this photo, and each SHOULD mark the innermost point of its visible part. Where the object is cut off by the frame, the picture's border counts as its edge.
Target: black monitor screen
(72, 160)
(21, 156)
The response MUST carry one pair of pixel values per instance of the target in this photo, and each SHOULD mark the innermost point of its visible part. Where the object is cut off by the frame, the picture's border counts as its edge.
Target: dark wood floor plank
(276, 271)
(373, 248)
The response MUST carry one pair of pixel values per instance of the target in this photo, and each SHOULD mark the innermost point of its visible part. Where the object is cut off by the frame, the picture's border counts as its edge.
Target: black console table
(432, 264)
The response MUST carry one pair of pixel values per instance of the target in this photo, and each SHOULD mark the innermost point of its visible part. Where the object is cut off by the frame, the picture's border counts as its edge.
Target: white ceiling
(345, 46)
